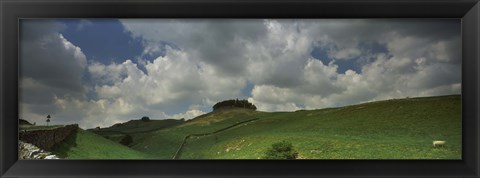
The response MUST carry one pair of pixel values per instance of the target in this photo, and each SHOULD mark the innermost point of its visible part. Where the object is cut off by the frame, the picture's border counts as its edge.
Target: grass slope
(135, 126)
(120, 131)
(87, 145)
(391, 129)
(164, 143)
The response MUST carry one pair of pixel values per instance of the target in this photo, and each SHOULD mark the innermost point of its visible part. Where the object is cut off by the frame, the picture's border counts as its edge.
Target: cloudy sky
(97, 72)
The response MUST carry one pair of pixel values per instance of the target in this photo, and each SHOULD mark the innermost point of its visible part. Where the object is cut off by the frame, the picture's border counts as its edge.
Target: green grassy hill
(164, 143)
(391, 129)
(87, 145)
(119, 131)
(134, 126)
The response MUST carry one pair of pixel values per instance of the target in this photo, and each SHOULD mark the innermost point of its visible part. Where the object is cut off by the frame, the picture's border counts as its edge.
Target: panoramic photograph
(202, 89)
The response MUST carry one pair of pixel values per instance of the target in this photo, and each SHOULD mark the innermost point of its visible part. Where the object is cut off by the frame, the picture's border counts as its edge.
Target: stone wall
(46, 139)
(179, 150)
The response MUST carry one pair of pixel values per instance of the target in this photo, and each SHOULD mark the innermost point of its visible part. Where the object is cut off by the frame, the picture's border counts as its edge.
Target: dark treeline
(234, 103)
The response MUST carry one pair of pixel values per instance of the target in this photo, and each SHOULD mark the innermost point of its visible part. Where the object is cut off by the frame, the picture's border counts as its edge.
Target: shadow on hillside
(63, 148)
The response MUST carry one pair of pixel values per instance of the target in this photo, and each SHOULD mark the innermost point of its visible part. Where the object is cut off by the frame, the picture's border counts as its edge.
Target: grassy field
(391, 129)
(135, 126)
(87, 145)
(164, 143)
(394, 129)
(120, 131)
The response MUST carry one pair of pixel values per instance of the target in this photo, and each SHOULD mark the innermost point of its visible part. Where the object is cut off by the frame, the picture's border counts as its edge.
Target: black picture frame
(13, 10)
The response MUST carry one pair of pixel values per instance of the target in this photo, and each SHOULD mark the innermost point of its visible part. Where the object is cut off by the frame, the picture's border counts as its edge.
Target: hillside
(163, 142)
(87, 145)
(141, 126)
(119, 131)
(391, 129)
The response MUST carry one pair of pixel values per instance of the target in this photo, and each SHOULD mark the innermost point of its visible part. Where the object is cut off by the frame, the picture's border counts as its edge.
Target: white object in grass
(439, 143)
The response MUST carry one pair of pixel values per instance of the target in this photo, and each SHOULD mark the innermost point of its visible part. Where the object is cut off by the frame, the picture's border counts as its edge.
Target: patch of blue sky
(369, 50)
(301, 105)
(247, 90)
(92, 94)
(343, 65)
(102, 40)
(321, 54)
(374, 47)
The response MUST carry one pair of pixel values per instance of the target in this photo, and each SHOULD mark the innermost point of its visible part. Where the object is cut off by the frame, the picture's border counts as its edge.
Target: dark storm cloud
(49, 58)
(32, 30)
(351, 33)
(427, 28)
(437, 75)
(365, 30)
(51, 68)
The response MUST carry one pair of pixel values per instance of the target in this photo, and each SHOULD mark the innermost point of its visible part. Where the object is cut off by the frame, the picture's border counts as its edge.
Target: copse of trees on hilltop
(234, 103)
(145, 119)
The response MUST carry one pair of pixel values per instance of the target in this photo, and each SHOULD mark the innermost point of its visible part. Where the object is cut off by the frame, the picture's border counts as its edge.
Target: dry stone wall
(46, 139)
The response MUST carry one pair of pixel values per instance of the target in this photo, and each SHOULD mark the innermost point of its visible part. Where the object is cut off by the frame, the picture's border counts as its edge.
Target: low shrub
(281, 150)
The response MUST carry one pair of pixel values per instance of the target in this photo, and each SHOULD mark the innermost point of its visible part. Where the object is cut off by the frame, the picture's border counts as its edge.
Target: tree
(234, 103)
(48, 119)
(145, 119)
(281, 150)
